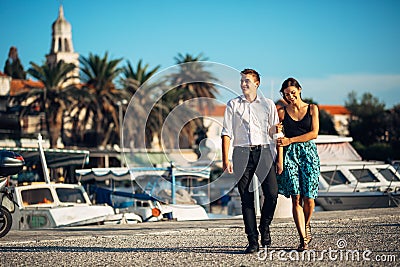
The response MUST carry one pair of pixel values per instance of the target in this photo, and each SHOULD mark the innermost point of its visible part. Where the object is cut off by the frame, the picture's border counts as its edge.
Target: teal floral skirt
(301, 169)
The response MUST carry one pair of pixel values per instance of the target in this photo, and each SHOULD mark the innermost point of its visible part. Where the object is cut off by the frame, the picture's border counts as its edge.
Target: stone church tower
(61, 46)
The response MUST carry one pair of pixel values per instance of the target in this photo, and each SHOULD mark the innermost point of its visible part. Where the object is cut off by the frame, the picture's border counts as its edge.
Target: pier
(369, 237)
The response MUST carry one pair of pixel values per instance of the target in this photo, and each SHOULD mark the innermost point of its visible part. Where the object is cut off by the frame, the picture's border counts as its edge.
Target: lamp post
(121, 120)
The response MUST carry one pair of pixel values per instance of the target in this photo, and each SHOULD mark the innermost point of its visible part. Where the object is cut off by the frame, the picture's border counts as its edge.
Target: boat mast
(43, 160)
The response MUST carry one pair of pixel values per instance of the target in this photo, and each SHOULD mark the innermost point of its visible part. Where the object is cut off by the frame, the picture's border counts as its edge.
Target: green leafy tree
(326, 123)
(53, 99)
(367, 124)
(99, 74)
(200, 91)
(188, 73)
(136, 77)
(392, 134)
(139, 77)
(13, 66)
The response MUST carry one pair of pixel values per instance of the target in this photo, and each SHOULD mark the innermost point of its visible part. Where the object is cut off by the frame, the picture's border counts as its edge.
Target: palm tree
(79, 119)
(193, 82)
(145, 112)
(53, 99)
(99, 75)
(194, 72)
(134, 78)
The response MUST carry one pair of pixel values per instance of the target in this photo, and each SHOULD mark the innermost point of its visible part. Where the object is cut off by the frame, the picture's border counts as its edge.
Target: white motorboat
(43, 205)
(347, 182)
(48, 205)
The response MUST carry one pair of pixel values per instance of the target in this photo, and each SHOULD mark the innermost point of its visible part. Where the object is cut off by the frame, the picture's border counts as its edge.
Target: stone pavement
(342, 238)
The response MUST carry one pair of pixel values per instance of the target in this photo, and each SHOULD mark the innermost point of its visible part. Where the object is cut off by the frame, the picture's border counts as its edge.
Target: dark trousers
(246, 163)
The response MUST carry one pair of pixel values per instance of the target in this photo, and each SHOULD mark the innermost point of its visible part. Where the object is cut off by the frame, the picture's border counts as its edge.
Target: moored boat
(43, 205)
(48, 204)
(347, 182)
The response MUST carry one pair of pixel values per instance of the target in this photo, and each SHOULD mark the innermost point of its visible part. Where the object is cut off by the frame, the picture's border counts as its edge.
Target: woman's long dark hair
(287, 83)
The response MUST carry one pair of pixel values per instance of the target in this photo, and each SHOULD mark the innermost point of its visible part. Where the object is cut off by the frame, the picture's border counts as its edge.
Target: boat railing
(393, 177)
(363, 171)
(395, 198)
(332, 178)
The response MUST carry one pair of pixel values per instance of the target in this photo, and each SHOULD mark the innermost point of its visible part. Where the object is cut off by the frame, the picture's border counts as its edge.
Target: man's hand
(279, 167)
(227, 166)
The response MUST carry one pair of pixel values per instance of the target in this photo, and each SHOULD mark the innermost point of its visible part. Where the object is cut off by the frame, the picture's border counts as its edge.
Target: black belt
(255, 147)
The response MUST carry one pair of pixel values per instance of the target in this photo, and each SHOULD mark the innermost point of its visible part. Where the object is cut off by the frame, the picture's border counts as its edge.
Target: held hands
(279, 127)
(278, 132)
(228, 167)
(283, 141)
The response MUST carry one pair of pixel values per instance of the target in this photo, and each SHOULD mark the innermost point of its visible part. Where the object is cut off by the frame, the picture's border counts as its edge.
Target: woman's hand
(283, 141)
(279, 127)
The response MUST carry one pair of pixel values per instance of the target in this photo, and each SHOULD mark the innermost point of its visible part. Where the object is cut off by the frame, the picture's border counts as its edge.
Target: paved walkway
(343, 238)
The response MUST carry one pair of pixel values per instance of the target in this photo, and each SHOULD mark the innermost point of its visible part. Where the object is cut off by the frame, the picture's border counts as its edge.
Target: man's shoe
(265, 237)
(252, 248)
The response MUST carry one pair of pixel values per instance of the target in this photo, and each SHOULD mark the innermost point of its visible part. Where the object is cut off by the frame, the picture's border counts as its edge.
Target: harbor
(367, 237)
(117, 137)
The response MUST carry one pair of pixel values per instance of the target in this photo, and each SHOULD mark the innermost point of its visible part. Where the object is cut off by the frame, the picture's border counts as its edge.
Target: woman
(300, 161)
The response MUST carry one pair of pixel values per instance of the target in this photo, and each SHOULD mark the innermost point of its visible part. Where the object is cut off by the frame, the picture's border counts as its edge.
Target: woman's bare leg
(298, 215)
(308, 208)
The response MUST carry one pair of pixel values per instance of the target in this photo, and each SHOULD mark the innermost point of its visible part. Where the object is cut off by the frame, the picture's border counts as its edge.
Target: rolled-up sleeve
(227, 124)
(273, 113)
(273, 119)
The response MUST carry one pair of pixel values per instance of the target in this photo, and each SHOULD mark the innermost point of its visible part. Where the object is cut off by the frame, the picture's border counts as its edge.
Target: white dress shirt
(248, 123)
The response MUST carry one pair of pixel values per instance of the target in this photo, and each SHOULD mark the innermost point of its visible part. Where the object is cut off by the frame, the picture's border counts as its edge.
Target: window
(364, 176)
(388, 175)
(66, 45)
(334, 177)
(59, 49)
(36, 196)
(37, 221)
(140, 203)
(73, 195)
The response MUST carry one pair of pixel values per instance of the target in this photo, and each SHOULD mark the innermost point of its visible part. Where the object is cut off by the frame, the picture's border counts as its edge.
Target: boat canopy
(123, 174)
(55, 157)
(332, 148)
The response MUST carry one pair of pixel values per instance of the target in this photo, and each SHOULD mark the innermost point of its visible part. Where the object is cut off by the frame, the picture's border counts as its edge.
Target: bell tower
(62, 47)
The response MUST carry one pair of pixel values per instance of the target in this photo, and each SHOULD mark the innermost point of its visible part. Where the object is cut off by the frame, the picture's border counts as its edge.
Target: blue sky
(332, 47)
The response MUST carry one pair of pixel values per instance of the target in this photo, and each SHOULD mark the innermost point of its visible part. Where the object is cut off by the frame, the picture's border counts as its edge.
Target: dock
(369, 237)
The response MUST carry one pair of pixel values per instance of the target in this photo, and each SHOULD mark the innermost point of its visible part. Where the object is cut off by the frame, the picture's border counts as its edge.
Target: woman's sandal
(308, 233)
(303, 245)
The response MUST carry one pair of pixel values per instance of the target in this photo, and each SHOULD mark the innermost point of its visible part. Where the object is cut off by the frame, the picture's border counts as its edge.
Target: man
(249, 122)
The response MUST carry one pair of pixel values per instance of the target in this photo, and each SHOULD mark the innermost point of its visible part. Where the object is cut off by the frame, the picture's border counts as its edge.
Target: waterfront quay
(369, 237)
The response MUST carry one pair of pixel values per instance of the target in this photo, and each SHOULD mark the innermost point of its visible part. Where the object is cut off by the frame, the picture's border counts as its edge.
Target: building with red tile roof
(340, 117)
(19, 86)
(335, 109)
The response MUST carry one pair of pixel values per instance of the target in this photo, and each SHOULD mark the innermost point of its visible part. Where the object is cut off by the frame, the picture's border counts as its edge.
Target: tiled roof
(217, 111)
(18, 86)
(335, 109)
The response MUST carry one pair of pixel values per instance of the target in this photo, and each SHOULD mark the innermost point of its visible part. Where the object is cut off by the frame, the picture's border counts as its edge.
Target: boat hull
(356, 200)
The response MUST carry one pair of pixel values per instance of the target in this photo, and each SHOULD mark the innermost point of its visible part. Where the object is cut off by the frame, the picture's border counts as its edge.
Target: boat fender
(155, 212)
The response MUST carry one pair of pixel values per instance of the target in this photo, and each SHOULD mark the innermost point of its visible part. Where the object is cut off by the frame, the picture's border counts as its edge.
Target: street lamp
(121, 120)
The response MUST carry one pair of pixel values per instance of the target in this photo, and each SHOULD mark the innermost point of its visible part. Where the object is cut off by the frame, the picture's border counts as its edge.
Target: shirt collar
(257, 100)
